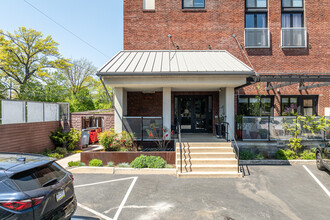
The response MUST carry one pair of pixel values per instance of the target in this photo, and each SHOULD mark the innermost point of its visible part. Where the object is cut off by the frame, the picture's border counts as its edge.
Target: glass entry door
(194, 113)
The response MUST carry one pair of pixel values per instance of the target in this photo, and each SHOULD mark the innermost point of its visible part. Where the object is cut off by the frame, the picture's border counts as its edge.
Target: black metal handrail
(229, 131)
(180, 143)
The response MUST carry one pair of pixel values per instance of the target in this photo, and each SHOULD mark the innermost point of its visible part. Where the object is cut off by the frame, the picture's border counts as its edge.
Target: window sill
(148, 10)
(194, 10)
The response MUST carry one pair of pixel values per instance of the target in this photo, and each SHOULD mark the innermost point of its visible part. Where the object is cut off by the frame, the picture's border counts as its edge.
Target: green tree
(81, 101)
(26, 53)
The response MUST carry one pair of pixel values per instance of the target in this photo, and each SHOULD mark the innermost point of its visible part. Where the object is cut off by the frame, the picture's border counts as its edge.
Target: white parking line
(108, 181)
(94, 212)
(125, 198)
(318, 181)
(121, 204)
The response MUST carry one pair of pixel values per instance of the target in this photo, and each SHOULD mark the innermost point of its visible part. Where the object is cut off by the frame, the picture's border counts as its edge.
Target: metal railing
(180, 144)
(229, 136)
(295, 37)
(257, 38)
(271, 128)
(139, 126)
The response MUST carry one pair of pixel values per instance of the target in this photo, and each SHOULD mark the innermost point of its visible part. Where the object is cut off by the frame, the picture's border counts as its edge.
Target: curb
(276, 162)
(121, 170)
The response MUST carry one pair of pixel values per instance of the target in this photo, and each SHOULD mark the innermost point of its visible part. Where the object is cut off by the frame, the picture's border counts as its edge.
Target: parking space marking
(125, 198)
(94, 212)
(108, 181)
(318, 181)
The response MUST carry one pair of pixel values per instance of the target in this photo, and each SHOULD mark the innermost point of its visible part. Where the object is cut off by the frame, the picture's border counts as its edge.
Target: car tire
(319, 162)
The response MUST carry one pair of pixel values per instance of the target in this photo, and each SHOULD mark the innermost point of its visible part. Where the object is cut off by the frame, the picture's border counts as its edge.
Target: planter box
(121, 157)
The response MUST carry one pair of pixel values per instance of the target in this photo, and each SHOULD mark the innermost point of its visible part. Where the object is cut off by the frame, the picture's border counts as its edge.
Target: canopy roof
(174, 62)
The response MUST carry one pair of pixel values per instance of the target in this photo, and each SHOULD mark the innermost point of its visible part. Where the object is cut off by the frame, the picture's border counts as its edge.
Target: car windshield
(39, 177)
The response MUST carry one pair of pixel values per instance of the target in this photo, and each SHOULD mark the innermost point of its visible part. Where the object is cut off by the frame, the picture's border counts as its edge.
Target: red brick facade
(144, 104)
(197, 29)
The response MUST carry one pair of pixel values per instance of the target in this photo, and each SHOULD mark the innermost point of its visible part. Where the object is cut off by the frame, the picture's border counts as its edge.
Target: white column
(167, 110)
(119, 102)
(230, 107)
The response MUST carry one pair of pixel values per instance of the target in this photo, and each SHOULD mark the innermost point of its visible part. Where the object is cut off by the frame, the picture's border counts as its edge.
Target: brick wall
(144, 104)
(27, 137)
(196, 29)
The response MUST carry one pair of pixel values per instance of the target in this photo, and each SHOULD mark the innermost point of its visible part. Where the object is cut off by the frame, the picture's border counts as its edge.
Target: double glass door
(194, 113)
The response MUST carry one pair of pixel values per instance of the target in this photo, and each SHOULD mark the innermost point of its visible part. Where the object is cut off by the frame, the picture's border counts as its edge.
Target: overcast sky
(97, 22)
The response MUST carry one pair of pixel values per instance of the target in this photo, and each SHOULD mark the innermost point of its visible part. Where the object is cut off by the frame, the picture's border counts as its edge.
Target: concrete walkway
(76, 157)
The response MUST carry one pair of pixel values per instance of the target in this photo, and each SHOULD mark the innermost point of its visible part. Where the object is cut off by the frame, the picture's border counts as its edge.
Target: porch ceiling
(174, 63)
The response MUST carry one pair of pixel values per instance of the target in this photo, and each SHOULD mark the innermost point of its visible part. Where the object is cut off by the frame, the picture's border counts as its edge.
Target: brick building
(284, 43)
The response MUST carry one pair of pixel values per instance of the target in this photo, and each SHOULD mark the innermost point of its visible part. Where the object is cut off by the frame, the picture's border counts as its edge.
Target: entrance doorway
(194, 113)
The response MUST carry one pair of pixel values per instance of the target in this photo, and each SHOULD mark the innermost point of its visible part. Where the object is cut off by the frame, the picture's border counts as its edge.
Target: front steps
(207, 160)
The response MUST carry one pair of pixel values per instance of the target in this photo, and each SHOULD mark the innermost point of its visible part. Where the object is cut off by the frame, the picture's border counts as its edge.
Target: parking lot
(269, 192)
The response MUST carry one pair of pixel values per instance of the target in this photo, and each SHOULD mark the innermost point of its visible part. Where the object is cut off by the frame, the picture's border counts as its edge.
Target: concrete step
(204, 144)
(205, 149)
(208, 161)
(209, 175)
(208, 168)
(207, 155)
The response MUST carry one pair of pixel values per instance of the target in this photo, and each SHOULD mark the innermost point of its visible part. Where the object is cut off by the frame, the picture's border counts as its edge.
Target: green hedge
(96, 163)
(148, 162)
(286, 154)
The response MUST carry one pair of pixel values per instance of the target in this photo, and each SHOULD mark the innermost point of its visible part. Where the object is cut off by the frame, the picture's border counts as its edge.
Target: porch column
(167, 110)
(119, 102)
(230, 107)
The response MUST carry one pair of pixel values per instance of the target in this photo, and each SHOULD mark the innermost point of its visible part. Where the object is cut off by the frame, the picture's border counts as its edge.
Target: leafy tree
(80, 75)
(26, 54)
(82, 101)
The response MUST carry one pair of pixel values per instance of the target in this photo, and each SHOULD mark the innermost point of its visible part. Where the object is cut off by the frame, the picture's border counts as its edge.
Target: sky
(97, 22)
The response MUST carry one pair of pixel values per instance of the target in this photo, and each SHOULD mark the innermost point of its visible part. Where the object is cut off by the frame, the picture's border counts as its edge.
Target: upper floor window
(292, 20)
(256, 3)
(193, 3)
(256, 20)
(292, 3)
(148, 4)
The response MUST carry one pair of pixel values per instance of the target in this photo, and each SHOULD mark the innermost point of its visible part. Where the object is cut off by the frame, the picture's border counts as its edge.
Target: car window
(39, 177)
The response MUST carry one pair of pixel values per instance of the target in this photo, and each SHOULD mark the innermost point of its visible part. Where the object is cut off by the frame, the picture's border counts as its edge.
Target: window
(299, 105)
(292, 3)
(149, 4)
(292, 20)
(255, 106)
(256, 20)
(193, 3)
(256, 3)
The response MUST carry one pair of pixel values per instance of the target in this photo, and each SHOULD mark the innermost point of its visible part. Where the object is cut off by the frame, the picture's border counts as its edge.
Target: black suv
(35, 187)
(323, 157)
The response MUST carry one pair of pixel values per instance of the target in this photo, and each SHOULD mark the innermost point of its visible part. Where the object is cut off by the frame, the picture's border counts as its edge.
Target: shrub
(148, 162)
(96, 163)
(46, 152)
(246, 155)
(74, 151)
(286, 154)
(123, 165)
(59, 138)
(259, 156)
(73, 138)
(55, 155)
(307, 155)
(116, 142)
(106, 139)
(61, 150)
(73, 163)
(110, 164)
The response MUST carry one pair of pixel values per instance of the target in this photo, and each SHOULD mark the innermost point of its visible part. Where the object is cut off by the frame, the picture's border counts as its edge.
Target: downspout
(114, 107)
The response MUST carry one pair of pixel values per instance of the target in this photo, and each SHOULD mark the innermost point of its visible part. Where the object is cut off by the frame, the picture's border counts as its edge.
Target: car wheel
(319, 162)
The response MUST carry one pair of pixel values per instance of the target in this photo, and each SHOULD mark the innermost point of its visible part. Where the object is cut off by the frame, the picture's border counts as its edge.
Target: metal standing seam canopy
(176, 62)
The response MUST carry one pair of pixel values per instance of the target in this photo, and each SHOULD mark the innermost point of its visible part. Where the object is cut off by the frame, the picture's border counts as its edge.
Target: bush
(286, 154)
(148, 162)
(61, 150)
(246, 155)
(123, 165)
(307, 155)
(46, 152)
(73, 138)
(75, 164)
(59, 138)
(55, 155)
(110, 164)
(116, 142)
(96, 163)
(259, 156)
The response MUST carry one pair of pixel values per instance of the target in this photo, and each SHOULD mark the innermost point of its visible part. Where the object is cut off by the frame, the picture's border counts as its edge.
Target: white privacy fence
(15, 111)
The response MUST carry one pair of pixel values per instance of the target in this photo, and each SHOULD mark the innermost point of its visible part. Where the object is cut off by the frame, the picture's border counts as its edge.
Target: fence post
(141, 128)
(268, 128)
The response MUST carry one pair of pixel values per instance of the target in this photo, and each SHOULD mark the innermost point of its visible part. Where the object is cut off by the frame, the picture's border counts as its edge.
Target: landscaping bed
(122, 157)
